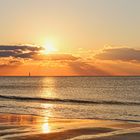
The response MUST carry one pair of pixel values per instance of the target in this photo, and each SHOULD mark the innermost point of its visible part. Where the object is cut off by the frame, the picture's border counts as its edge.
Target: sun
(49, 48)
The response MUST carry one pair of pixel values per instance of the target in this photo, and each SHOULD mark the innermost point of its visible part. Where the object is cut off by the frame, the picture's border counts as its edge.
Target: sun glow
(45, 128)
(49, 48)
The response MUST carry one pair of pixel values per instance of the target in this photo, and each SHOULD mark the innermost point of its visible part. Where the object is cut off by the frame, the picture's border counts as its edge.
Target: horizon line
(71, 76)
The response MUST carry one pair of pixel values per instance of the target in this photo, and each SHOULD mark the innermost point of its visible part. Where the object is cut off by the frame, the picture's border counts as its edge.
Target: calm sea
(116, 98)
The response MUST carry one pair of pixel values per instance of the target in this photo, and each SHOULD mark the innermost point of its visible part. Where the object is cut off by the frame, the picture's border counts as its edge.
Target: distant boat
(29, 74)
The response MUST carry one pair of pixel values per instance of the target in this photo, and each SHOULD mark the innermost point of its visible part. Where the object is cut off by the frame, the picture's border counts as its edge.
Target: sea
(111, 98)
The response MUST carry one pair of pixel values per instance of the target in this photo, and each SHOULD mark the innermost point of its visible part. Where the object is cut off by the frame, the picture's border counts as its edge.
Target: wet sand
(28, 127)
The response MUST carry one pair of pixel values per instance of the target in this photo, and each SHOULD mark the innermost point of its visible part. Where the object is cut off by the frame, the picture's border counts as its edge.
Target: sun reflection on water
(46, 128)
(47, 92)
(48, 87)
(45, 125)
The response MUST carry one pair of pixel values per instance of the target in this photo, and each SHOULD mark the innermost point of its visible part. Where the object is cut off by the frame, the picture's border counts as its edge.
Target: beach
(69, 108)
(69, 70)
(23, 127)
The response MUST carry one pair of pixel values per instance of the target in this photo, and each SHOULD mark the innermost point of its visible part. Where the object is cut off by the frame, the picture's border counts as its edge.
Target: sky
(69, 37)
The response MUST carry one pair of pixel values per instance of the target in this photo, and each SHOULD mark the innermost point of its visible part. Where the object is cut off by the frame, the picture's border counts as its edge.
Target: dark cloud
(27, 55)
(20, 54)
(23, 51)
(19, 51)
(19, 47)
(124, 54)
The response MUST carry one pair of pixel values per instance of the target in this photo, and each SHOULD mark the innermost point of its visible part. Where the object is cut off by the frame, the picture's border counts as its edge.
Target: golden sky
(69, 37)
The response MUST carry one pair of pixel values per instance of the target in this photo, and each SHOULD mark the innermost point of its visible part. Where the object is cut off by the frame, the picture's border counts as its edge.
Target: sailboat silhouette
(29, 74)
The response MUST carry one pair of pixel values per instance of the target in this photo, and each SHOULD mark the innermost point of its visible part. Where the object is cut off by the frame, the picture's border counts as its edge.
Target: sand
(28, 127)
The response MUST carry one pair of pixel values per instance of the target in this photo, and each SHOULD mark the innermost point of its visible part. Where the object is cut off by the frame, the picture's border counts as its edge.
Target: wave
(56, 100)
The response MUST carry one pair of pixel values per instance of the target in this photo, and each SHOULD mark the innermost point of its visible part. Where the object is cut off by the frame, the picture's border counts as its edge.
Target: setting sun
(69, 69)
(49, 48)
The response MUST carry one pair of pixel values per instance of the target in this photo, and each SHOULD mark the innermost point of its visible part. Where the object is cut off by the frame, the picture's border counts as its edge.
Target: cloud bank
(19, 51)
(110, 61)
(58, 57)
(124, 54)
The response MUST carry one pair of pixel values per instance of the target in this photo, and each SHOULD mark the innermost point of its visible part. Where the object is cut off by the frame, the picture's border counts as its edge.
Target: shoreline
(22, 127)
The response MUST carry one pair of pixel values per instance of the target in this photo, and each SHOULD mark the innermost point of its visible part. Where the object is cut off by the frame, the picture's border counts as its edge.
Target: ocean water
(115, 98)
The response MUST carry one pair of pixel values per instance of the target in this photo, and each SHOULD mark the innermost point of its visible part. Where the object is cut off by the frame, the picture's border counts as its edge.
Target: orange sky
(19, 60)
(69, 37)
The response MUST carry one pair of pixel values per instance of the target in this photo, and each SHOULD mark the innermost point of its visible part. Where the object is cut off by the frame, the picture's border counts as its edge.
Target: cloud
(123, 54)
(59, 57)
(16, 55)
(28, 51)
(83, 68)
(19, 51)
(5, 62)
(19, 47)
